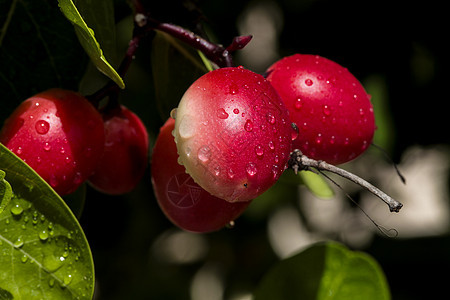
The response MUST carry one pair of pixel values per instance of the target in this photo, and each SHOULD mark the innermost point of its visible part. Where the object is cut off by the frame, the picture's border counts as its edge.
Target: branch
(298, 162)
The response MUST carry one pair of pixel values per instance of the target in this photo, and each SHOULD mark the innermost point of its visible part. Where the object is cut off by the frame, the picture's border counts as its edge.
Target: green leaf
(86, 36)
(316, 184)
(325, 271)
(175, 67)
(5, 192)
(44, 253)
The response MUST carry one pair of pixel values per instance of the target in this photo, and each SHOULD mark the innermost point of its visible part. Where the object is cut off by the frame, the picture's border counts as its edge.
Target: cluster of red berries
(228, 141)
(232, 133)
(67, 141)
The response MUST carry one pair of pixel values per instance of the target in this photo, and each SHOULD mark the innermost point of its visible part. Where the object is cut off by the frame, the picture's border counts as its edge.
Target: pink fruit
(183, 201)
(329, 105)
(125, 157)
(59, 134)
(233, 133)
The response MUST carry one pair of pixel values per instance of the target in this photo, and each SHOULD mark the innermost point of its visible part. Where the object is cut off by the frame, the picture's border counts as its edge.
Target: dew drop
(251, 169)
(234, 89)
(346, 141)
(173, 113)
(51, 282)
(361, 112)
(18, 243)
(17, 209)
(270, 118)
(326, 110)
(47, 147)
(24, 258)
(248, 126)
(43, 235)
(67, 279)
(319, 139)
(271, 146)
(332, 140)
(230, 173)
(298, 104)
(204, 154)
(259, 150)
(222, 114)
(236, 111)
(42, 127)
(217, 170)
(308, 82)
(19, 150)
(275, 169)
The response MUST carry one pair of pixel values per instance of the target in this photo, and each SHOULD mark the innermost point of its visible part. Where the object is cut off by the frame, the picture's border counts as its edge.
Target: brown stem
(298, 162)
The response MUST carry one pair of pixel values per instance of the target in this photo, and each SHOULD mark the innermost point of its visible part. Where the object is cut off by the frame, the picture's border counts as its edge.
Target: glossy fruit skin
(59, 134)
(233, 133)
(125, 156)
(183, 201)
(329, 105)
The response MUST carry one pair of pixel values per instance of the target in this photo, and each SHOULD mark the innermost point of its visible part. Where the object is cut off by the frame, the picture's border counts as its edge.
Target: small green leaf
(86, 36)
(325, 271)
(44, 253)
(5, 192)
(316, 184)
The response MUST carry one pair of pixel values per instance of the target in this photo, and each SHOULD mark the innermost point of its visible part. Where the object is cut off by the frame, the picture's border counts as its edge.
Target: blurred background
(397, 49)
(399, 52)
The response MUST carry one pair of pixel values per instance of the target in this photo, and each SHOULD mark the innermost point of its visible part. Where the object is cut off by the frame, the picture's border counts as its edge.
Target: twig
(298, 162)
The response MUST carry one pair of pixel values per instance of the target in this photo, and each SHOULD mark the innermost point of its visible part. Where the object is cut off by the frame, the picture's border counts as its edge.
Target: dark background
(402, 42)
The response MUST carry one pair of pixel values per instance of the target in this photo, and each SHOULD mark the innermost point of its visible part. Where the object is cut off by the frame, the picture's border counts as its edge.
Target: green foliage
(43, 251)
(325, 271)
(86, 35)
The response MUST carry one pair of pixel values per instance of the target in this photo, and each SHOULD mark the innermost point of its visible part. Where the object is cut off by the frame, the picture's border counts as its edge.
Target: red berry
(183, 201)
(59, 134)
(233, 133)
(125, 157)
(329, 105)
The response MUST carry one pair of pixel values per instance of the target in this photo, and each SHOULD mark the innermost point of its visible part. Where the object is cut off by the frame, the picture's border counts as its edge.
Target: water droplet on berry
(326, 110)
(275, 169)
(47, 147)
(271, 146)
(222, 114)
(259, 150)
(298, 104)
(173, 113)
(332, 140)
(234, 89)
(361, 112)
(217, 170)
(42, 127)
(248, 126)
(204, 154)
(236, 111)
(19, 150)
(53, 181)
(346, 141)
(230, 173)
(319, 139)
(251, 169)
(308, 82)
(270, 118)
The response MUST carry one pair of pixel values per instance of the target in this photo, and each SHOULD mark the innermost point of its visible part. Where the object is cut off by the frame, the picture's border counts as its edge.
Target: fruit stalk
(299, 162)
